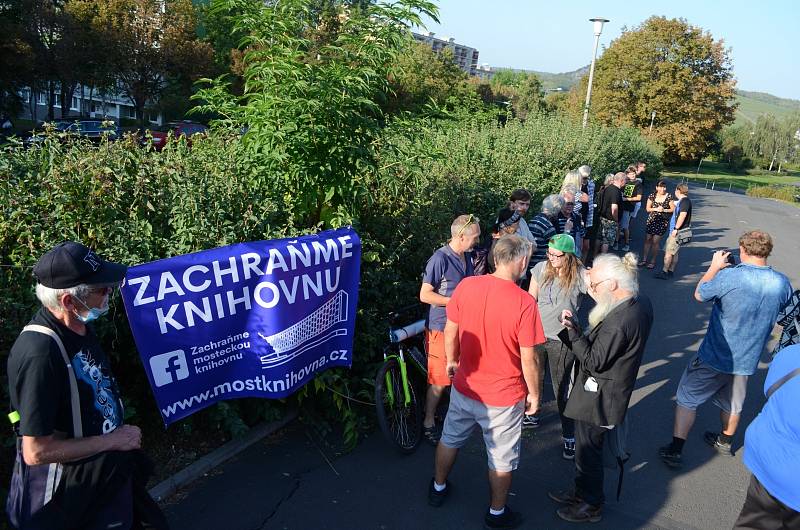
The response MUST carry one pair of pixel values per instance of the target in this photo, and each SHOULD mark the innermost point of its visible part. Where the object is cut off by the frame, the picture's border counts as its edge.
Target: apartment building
(113, 106)
(465, 57)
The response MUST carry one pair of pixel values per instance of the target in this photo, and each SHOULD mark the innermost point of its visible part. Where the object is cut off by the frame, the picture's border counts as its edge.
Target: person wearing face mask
(78, 464)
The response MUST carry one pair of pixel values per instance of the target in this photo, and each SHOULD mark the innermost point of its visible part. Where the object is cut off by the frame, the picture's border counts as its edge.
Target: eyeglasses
(470, 220)
(593, 286)
(554, 256)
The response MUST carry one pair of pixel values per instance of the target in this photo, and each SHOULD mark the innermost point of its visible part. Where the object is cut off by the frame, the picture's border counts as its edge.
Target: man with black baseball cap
(78, 465)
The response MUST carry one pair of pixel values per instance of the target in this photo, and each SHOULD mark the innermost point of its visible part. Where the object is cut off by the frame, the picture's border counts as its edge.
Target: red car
(178, 128)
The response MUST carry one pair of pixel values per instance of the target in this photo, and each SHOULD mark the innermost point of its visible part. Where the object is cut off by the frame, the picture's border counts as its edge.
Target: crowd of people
(504, 312)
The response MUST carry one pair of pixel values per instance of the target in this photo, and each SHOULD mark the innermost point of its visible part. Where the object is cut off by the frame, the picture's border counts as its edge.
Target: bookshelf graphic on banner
(320, 326)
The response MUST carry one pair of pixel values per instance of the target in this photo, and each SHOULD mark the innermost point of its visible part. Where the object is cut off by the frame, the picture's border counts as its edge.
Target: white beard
(605, 304)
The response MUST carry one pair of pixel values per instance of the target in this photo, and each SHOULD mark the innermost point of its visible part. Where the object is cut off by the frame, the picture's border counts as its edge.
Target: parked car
(160, 135)
(92, 130)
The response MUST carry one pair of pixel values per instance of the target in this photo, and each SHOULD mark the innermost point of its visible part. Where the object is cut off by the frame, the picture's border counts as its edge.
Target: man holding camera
(747, 298)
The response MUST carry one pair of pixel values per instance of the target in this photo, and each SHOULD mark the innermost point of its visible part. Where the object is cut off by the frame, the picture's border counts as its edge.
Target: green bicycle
(399, 395)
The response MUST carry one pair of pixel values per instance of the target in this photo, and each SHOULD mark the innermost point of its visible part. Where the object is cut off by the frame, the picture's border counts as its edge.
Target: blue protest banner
(251, 319)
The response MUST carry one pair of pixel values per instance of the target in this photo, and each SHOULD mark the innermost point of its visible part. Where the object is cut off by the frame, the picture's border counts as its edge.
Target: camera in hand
(731, 260)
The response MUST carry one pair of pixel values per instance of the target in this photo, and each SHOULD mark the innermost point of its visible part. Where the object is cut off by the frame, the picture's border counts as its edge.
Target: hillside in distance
(550, 81)
(751, 104)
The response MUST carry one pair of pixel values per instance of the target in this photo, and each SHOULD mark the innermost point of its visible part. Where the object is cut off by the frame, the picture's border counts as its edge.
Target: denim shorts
(625, 221)
(700, 383)
(501, 426)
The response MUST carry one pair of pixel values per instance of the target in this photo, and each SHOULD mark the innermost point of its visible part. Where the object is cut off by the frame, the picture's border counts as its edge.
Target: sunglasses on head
(470, 220)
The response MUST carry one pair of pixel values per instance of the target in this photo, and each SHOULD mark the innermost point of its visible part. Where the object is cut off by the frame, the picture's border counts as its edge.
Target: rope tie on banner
(349, 398)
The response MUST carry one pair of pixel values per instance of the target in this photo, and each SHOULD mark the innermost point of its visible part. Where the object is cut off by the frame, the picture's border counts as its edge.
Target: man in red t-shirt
(492, 327)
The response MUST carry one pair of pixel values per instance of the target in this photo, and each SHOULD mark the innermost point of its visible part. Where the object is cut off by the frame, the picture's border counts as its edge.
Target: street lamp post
(598, 29)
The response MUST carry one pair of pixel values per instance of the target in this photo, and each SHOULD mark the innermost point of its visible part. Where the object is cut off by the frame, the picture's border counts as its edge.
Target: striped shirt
(542, 230)
(576, 224)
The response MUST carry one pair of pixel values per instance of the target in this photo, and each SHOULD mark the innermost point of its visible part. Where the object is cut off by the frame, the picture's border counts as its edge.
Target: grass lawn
(720, 176)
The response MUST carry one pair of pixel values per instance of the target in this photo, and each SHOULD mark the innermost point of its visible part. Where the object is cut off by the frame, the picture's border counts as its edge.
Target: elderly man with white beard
(609, 355)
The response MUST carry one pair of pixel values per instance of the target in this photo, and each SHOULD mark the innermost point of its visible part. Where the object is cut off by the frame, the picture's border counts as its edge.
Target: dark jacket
(611, 353)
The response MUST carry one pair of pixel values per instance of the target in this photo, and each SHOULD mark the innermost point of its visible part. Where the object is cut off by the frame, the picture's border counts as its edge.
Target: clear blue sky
(555, 36)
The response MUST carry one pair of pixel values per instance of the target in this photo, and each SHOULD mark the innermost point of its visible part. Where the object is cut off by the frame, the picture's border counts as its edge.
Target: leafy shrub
(432, 172)
(136, 205)
(783, 193)
(317, 153)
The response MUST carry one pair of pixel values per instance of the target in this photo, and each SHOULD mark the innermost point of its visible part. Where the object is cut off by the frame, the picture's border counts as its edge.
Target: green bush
(317, 153)
(136, 205)
(133, 205)
(783, 193)
(432, 172)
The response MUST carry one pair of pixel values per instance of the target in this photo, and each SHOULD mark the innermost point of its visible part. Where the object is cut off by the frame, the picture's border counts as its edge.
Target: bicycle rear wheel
(400, 423)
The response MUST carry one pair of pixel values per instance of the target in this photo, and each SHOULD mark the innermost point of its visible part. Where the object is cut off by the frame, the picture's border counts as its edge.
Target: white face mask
(94, 312)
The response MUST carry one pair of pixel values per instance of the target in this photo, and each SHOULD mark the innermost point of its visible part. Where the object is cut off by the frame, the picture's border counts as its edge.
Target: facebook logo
(169, 367)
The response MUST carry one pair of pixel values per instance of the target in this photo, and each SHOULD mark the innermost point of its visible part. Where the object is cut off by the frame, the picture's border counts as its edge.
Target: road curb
(202, 466)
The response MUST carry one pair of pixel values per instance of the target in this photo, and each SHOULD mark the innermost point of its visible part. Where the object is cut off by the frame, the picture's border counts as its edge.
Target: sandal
(651, 265)
(431, 434)
(642, 263)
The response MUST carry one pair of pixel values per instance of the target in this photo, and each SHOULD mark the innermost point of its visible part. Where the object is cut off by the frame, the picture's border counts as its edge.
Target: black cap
(70, 264)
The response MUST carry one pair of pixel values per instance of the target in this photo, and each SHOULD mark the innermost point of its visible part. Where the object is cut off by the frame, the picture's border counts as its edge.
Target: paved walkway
(292, 482)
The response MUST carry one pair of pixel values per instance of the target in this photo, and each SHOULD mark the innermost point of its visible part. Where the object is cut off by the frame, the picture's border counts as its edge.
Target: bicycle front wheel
(401, 423)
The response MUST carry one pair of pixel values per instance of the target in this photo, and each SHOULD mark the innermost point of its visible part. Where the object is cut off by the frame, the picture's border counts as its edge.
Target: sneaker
(626, 248)
(569, 449)
(508, 519)
(436, 498)
(670, 456)
(662, 275)
(712, 439)
(530, 422)
(581, 513)
(564, 496)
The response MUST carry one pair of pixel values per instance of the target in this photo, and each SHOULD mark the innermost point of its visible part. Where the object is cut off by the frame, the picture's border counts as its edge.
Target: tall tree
(773, 140)
(43, 29)
(670, 67)
(311, 97)
(16, 56)
(421, 77)
(153, 41)
(521, 90)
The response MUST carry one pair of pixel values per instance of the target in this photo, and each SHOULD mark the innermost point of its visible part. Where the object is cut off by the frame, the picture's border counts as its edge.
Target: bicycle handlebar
(401, 334)
(394, 315)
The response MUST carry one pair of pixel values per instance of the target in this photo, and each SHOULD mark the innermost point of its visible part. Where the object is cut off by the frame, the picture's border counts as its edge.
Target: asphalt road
(294, 481)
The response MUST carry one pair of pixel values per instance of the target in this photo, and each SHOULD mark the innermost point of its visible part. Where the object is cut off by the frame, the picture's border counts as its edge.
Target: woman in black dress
(660, 206)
